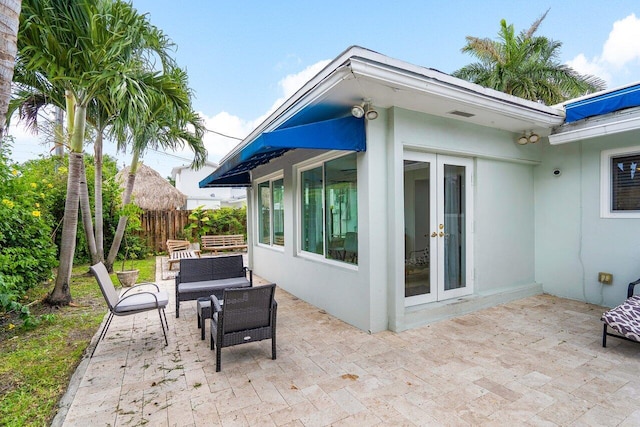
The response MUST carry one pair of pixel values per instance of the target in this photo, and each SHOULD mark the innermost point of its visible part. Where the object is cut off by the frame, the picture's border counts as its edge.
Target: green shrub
(27, 253)
(50, 176)
(225, 220)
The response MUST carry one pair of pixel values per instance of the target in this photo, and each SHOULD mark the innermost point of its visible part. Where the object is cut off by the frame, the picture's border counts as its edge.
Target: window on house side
(620, 183)
(264, 215)
(278, 211)
(625, 183)
(330, 209)
(312, 240)
(271, 212)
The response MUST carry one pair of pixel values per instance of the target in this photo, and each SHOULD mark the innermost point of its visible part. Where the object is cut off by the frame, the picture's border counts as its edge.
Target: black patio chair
(244, 315)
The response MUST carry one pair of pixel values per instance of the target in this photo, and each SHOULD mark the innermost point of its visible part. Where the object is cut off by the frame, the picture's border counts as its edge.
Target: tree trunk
(9, 22)
(85, 210)
(61, 293)
(99, 218)
(122, 222)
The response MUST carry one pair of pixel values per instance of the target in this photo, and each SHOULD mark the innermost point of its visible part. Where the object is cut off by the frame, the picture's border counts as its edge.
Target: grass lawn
(36, 364)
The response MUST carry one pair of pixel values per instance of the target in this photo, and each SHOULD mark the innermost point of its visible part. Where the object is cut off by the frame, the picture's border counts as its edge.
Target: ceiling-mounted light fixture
(528, 137)
(357, 111)
(364, 109)
(371, 114)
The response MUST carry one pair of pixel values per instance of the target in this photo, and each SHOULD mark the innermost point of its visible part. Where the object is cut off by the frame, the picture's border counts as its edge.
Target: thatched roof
(151, 191)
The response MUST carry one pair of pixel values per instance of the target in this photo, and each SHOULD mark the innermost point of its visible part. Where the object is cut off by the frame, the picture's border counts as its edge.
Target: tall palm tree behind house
(526, 66)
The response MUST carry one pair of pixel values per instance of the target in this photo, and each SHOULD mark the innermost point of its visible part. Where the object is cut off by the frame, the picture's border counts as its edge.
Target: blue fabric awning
(346, 134)
(603, 104)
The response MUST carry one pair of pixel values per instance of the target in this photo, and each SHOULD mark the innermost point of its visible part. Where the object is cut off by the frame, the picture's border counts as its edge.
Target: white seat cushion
(141, 301)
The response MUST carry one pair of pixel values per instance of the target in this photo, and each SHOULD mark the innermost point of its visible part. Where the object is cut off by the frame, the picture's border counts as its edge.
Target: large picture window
(329, 209)
(271, 212)
(620, 183)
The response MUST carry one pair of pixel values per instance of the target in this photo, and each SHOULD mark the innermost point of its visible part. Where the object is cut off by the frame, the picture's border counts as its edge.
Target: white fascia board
(395, 72)
(610, 127)
(432, 82)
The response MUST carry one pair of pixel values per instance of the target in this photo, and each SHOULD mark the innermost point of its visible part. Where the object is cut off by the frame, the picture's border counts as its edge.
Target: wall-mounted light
(528, 138)
(357, 111)
(365, 109)
(371, 114)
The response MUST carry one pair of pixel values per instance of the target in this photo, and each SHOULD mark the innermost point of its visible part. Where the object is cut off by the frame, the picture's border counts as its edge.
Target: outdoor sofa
(203, 277)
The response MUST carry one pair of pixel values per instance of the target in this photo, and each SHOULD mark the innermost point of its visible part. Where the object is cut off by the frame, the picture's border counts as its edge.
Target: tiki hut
(151, 192)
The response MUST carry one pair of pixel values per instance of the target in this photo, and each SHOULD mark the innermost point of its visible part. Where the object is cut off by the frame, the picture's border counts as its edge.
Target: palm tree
(526, 66)
(166, 126)
(94, 50)
(10, 18)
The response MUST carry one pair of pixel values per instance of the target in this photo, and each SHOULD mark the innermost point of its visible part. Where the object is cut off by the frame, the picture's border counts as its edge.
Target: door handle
(434, 234)
(442, 234)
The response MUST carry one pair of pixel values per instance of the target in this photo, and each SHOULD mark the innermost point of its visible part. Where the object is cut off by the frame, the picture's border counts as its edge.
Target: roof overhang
(359, 74)
(603, 113)
(593, 127)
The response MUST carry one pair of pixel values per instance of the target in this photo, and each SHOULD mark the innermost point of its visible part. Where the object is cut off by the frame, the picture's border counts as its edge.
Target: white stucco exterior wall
(370, 296)
(573, 243)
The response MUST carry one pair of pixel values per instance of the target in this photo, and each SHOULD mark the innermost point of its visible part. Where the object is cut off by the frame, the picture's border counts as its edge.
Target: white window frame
(270, 179)
(298, 170)
(605, 183)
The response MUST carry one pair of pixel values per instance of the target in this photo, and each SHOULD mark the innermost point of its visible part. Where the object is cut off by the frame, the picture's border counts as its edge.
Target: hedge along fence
(159, 226)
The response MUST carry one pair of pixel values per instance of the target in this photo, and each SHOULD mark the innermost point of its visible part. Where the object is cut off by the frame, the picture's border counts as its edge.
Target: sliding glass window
(329, 209)
(271, 212)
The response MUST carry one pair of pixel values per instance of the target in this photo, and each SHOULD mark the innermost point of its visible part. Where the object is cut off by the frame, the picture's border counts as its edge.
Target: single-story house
(392, 195)
(186, 180)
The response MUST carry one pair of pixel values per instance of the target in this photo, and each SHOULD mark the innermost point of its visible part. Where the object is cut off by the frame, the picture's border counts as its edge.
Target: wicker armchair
(246, 315)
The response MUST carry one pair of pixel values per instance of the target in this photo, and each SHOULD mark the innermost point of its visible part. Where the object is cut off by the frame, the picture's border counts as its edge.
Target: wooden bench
(203, 277)
(223, 242)
(179, 250)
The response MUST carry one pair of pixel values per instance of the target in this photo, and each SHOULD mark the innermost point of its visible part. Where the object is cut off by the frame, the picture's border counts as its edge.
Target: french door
(438, 207)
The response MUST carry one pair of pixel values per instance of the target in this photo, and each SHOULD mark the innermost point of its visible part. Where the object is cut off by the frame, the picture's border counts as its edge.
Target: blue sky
(244, 58)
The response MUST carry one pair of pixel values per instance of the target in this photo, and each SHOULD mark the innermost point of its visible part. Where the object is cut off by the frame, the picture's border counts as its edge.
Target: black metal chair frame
(114, 301)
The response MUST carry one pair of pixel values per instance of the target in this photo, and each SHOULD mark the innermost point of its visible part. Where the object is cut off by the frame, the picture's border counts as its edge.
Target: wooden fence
(159, 226)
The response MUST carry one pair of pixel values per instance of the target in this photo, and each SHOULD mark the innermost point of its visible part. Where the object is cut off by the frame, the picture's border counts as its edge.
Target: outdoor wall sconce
(364, 109)
(528, 137)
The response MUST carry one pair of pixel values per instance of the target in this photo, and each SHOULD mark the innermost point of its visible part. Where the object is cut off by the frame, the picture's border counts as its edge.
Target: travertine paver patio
(537, 361)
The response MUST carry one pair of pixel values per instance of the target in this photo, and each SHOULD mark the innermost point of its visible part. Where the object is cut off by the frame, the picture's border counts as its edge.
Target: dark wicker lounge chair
(129, 302)
(246, 315)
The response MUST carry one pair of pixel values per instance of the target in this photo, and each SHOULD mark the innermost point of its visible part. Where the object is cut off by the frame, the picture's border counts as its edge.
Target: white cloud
(623, 45)
(218, 146)
(291, 84)
(620, 57)
(595, 68)
(227, 124)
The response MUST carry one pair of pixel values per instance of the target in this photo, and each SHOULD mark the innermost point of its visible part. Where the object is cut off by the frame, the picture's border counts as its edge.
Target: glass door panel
(419, 214)
(437, 194)
(455, 228)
